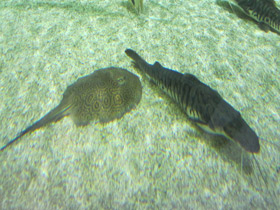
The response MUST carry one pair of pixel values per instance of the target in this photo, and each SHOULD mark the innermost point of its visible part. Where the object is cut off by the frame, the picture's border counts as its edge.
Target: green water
(152, 158)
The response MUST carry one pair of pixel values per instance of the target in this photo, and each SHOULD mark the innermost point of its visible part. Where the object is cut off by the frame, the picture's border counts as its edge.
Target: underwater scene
(132, 104)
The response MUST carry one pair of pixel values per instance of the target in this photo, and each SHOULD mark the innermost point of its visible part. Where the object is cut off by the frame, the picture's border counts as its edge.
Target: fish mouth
(227, 121)
(238, 130)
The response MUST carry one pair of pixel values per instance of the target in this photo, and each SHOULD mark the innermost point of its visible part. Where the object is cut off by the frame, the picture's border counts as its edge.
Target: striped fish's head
(227, 121)
(239, 131)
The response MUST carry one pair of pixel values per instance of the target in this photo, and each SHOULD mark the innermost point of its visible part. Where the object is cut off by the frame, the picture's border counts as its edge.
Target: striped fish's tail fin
(156, 72)
(139, 62)
(144, 67)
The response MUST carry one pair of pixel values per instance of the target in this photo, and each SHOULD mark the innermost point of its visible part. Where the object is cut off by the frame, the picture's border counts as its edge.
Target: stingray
(104, 95)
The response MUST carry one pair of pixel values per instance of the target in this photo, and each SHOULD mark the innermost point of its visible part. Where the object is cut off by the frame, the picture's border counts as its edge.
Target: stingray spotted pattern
(104, 95)
(203, 105)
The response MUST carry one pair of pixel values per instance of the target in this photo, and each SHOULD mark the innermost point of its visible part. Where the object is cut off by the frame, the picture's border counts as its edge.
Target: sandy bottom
(152, 158)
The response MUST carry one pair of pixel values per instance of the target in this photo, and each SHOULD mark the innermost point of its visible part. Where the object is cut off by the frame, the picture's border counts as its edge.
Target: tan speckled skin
(104, 95)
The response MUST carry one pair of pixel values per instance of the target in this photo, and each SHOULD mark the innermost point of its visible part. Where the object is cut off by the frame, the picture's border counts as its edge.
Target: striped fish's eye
(267, 20)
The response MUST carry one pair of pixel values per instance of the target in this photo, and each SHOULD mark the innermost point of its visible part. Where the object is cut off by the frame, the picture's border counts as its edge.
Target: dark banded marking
(202, 104)
(263, 11)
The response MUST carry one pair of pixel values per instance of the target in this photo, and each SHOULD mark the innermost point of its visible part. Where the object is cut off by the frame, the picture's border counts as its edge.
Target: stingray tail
(54, 115)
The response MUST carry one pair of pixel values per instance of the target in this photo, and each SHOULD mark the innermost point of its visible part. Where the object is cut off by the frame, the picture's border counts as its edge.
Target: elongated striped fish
(202, 104)
(263, 11)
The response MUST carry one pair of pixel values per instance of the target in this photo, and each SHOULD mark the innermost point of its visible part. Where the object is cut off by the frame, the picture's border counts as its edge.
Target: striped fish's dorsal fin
(157, 65)
(191, 77)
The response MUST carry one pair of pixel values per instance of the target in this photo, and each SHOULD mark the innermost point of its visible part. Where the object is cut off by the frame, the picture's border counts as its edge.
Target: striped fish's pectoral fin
(238, 130)
(209, 128)
(198, 121)
(204, 126)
